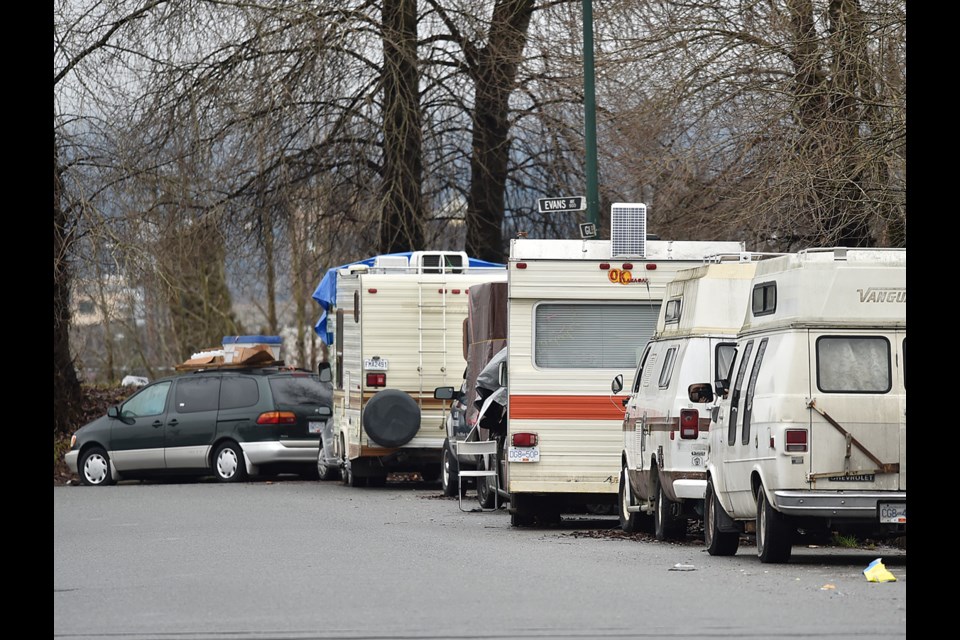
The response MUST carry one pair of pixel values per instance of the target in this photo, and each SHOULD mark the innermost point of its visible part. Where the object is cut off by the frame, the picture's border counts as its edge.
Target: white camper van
(580, 312)
(811, 433)
(666, 425)
(397, 334)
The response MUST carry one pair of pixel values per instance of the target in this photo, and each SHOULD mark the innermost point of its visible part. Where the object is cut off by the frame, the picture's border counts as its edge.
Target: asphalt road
(294, 559)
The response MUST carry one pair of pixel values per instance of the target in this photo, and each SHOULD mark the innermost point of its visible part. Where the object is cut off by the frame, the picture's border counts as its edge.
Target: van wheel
(228, 463)
(666, 526)
(326, 471)
(449, 470)
(629, 522)
(95, 468)
(349, 478)
(774, 534)
(486, 493)
(718, 543)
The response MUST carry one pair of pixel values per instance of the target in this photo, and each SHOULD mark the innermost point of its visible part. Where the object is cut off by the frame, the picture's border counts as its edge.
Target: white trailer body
(580, 312)
(812, 435)
(397, 335)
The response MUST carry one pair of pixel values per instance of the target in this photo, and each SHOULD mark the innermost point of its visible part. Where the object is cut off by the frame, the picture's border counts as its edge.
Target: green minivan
(228, 423)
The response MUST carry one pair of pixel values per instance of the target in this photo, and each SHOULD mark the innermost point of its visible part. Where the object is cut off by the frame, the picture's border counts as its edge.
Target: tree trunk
(401, 222)
(494, 74)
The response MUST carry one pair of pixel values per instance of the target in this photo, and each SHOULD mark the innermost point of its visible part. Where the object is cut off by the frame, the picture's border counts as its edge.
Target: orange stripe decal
(566, 407)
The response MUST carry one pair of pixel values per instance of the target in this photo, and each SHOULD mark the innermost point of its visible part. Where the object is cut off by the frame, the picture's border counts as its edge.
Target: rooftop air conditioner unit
(439, 261)
(628, 230)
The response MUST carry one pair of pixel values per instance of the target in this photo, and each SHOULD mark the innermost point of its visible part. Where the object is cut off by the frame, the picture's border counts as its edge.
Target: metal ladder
(421, 329)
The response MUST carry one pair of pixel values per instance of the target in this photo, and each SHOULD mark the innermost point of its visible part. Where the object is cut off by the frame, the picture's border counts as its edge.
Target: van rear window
(293, 390)
(853, 364)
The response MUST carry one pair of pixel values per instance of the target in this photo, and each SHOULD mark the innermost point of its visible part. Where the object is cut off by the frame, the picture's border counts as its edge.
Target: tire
(774, 533)
(94, 468)
(391, 418)
(449, 468)
(521, 519)
(349, 478)
(326, 471)
(718, 543)
(629, 522)
(431, 472)
(228, 463)
(486, 495)
(665, 525)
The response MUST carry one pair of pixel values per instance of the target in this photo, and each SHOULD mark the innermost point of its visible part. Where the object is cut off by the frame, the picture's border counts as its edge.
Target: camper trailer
(809, 438)
(395, 325)
(665, 427)
(580, 312)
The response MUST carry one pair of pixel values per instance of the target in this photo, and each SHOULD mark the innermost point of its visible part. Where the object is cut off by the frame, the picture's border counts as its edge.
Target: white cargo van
(397, 334)
(666, 425)
(810, 436)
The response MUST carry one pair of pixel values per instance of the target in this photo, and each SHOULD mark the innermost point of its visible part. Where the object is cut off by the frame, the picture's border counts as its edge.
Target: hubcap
(227, 463)
(95, 469)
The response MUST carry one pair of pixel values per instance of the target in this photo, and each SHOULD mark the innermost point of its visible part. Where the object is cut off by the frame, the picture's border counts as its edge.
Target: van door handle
(173, 423)
(156, 424)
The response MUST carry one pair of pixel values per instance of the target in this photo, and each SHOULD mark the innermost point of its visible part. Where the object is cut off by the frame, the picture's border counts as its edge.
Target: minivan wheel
(774, 534)
(95, 468)
(326, 471)
(450, 469)
(228, 463)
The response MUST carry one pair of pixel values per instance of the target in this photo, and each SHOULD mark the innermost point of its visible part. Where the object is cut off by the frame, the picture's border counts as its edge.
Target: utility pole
(590, 116)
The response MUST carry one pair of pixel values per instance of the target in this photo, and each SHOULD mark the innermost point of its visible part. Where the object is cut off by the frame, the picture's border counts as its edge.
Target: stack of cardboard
(254, 356)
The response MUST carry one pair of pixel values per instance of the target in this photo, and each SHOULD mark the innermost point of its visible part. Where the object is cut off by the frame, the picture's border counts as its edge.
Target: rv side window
(639, 374)
(338, 349)
(751, 388)
(667, 369)
(592, 336)
(671, 314)
(764, 298)
(735, 394)
(853, 364)
(725, 353)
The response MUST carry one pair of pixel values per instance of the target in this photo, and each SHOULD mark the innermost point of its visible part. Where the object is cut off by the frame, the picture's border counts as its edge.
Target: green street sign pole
(590, 115)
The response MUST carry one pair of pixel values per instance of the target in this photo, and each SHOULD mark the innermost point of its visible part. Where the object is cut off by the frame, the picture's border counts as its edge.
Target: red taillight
(376, 379)
(627, 266)
(605, 266)
(689, 424)
(651, 266)
(524, 440)
(796, 439)
(277, 417)
(521, 265)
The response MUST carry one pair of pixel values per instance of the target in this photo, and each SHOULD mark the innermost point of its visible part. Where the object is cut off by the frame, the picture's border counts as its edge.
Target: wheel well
(90, 445)
(216, 445)
(755, 483)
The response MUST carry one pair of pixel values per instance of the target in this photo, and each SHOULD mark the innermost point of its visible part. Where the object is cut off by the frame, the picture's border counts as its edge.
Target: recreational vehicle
(396, 334)
(810, 435)
(579, 313)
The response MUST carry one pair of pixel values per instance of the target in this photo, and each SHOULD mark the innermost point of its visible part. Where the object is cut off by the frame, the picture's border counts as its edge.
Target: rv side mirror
(323, 370)
(443, 393)
(502, 374)
(700, 392)
(617, 385)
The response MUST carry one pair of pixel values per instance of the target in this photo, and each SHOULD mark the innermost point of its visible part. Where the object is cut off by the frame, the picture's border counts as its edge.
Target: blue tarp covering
(326, 292)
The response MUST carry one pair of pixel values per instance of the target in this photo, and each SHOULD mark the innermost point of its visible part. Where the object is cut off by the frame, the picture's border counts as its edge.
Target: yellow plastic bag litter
(876, 572)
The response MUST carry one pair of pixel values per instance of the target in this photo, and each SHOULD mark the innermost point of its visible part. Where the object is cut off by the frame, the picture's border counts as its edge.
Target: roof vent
(628, 230)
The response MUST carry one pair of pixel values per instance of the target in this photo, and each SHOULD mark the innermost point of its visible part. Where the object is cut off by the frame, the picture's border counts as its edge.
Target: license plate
(523, 454)
(375, 364)
(892, 512)
(315, 427)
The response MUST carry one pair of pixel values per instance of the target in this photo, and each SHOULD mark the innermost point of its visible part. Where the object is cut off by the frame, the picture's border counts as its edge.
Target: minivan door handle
(157, 423)
(173, 423)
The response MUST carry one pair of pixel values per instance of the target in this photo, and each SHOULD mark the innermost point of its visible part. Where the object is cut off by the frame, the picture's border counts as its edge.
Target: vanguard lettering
(878, 294)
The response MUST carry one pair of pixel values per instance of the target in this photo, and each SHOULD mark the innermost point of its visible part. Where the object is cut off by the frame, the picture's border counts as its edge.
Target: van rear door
(856, 410)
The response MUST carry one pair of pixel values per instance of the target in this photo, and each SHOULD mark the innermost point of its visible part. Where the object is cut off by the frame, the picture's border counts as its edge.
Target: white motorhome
(579, 313)
(397, 334)
(666, 425)
(810, 436)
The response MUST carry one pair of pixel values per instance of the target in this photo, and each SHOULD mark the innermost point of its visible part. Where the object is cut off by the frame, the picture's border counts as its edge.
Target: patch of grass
(847, 542)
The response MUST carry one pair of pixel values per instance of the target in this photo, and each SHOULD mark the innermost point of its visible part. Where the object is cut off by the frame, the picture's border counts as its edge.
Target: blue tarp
(326, 292)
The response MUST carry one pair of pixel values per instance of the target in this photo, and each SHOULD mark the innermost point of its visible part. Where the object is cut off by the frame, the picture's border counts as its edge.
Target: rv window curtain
(592, 336)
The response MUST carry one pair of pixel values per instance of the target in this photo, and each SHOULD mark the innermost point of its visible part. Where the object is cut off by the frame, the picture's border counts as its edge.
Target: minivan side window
(239, 392)
(197, 394)
(853, 364)
(751, 387)
(151, 401)
(735, 394)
